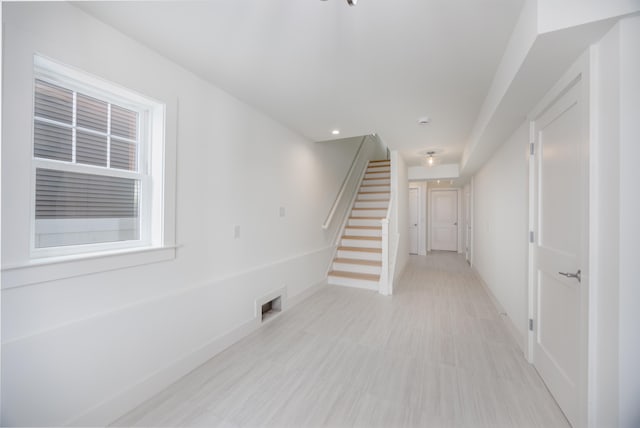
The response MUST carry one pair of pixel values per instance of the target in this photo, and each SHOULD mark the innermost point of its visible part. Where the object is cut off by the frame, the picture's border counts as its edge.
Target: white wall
(446, 171)
(85, 349)
(604, 230)
(399, 186)
(554, 15)
(629, 222)
(500, 219)
(615, 228)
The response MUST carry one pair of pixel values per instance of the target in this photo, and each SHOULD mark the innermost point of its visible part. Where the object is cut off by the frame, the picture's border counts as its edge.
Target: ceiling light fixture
(430, 157)
(424, 120)
(352, 2)
(336, 132)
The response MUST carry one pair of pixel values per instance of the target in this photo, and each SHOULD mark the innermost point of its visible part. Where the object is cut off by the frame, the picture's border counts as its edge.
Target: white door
(413, 220)
(467, 225)
(444, 220)
(560, 210)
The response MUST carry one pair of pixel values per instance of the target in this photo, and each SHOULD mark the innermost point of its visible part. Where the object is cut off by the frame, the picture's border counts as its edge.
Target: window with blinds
(89, 165)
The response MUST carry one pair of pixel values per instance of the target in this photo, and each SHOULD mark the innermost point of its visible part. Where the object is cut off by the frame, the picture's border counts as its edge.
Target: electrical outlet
(282, 212)
(236, 231)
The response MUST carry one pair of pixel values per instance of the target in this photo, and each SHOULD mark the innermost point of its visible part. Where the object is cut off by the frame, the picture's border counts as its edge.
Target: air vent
(271, 308)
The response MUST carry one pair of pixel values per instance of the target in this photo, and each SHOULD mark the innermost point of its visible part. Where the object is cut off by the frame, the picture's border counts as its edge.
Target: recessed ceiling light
(424, 120)
(352, 2)
(336, 132)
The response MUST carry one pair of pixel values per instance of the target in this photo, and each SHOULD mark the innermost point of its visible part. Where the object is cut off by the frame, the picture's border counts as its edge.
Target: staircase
(358, 262)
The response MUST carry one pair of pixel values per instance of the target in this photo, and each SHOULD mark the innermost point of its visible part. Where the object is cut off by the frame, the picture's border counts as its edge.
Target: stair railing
(343, 187)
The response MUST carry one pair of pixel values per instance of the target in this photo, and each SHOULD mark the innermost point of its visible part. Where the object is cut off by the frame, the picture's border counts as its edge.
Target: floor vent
(271, 308)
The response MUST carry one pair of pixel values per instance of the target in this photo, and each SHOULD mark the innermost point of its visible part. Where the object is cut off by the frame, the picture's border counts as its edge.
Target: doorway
(443, 234)
(414, 216)
(559, 243)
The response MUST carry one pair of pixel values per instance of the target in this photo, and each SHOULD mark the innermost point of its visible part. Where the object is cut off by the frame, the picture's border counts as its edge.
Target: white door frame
(429, 208)
(579, 70)
(422, 215)
(418, 215)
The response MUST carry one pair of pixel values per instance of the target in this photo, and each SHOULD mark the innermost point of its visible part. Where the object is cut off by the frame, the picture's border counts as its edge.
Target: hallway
(435, 354)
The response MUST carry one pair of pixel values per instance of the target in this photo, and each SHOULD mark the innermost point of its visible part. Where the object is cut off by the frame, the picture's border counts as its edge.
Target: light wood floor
(436, 354)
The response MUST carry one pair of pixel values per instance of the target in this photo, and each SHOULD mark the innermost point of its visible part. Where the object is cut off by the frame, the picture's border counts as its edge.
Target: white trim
(37, 271)
(150, 171)
(504, 315)
(135, 394)
(578, 73)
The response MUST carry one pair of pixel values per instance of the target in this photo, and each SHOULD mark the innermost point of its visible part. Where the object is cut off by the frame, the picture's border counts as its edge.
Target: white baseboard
(103, 413)
(508, 321)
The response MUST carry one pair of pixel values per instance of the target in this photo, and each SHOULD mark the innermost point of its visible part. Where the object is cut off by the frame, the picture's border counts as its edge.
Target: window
(97, 184)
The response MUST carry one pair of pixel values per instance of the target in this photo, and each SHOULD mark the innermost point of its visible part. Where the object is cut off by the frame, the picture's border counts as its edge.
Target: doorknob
(577, 275)
(455, 224)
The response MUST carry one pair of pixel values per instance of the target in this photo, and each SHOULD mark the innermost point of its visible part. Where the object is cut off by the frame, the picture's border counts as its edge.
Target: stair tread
(361, 249)
(364, 227)
(375, 193)
(380, 161)
(348, 261)
(365, 218)
(355, 275)
(363, 238)
(372, 200)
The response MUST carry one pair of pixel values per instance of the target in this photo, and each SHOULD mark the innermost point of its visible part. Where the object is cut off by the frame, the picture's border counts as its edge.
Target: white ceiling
(318, 65)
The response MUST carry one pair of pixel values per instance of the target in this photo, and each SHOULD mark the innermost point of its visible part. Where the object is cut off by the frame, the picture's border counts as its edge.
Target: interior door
(467, 251)
(444, 220)
(413, 220)
(560, 254)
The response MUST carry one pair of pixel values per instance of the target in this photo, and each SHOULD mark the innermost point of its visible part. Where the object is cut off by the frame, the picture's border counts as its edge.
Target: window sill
(51, 269)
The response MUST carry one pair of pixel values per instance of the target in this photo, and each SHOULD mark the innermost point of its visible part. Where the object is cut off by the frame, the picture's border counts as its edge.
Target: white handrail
(343, 187)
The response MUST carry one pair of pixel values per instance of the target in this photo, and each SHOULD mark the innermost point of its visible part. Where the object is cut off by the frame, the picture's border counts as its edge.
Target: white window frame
(150, 162)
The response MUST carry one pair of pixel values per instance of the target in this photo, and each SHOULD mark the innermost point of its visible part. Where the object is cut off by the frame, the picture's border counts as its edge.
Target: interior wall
(467, 198)
(615, 228)
(629, 229)
(604, 230)
(84, 350)
(500, 220)
(399, 184)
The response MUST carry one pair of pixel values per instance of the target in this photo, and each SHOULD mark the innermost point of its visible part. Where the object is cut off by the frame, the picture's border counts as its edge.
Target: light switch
(236, 231)
(282, 212)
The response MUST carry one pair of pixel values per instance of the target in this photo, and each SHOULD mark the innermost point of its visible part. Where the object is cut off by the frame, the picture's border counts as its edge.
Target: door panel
(413, 220)
(444, 220)
(560, 203)
(467, 221)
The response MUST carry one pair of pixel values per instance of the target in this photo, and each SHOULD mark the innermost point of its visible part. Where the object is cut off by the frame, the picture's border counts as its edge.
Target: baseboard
(103, 413)
(508, 321)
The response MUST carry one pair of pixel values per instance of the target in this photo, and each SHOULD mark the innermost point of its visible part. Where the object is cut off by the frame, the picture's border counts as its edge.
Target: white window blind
(89, 166)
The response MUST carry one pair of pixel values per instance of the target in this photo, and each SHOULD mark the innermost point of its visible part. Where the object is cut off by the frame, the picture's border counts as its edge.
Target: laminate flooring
(435, 354)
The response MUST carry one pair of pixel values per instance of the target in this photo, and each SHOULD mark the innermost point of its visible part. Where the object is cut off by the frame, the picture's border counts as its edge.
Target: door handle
(577, 275)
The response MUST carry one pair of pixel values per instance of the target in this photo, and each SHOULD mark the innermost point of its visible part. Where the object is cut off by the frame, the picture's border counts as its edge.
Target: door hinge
(532, 148)
(531, 236)
(530, 324)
